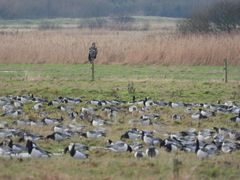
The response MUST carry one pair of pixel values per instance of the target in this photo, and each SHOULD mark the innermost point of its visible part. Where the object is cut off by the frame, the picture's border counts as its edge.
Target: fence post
(92, 70)
(225, 71)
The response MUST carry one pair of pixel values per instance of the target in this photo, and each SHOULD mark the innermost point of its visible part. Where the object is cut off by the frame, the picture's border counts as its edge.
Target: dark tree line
(19, 9)
(223, 16)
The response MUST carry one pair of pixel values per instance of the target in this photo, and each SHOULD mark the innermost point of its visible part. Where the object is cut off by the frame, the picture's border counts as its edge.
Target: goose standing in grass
(201, 152)
(35, 151)
(139, 154)
(150, 140)
(152, 152)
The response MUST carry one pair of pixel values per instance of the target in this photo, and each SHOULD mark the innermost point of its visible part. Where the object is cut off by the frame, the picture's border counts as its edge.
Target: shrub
(220, 17)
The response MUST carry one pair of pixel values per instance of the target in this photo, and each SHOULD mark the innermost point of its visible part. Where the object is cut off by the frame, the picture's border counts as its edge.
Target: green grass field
(197, 84)
(181, 83)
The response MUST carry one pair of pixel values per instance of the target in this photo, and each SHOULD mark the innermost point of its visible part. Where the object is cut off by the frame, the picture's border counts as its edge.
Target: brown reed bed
(119, 47)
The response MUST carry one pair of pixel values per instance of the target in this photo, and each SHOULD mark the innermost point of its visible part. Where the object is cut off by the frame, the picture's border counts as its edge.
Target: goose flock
(90, 119)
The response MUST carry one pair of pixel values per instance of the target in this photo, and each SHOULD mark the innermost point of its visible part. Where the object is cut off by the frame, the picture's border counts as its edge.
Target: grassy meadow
(170, 83)
(161, 64)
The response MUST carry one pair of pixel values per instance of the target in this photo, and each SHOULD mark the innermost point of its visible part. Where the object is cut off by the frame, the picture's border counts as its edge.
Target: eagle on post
(92, 55)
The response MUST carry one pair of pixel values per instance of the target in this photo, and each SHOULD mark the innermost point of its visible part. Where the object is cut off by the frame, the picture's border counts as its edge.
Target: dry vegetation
(118, 47)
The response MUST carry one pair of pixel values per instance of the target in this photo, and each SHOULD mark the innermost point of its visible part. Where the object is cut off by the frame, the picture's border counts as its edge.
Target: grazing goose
(48, 121)
(152, 152)
(161, 103)
(150, 116)
(132, 108)
(234, 135)
(87, 113)
(75, 127)
(5, 150)
(176, 104)
(98, 122)
(3, 124)
(13, 113)
(77, 146)
(134, 134)
(218, 140)
(35, 151)
(170, 146)
(76, 153)
(222, 131)
(5, 133)
(8, 108)
(207, 113)
(136, 146)
(198, 115)
(26, 136)
(148, 103)
(89, 110)
(73, 100)
(57, 136)
(17, 104)
(73, 115)
(212, 149)
(60, 128)
(228, 146)
(97, 102)
(24, 122)
(16, 148)
(176, 117)
(143, 122)
(118, 146)
(111, 111)
(93, 134)
(189, 110)
(38, 106)
(205, 134)
(150, 140)
(236, 118)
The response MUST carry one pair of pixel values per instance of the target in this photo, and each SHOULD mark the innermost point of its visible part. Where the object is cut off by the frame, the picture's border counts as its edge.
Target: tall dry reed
(119, 47)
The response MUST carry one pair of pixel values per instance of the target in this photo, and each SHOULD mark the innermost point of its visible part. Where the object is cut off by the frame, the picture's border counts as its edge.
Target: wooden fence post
(92, 70)
(225, 71)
